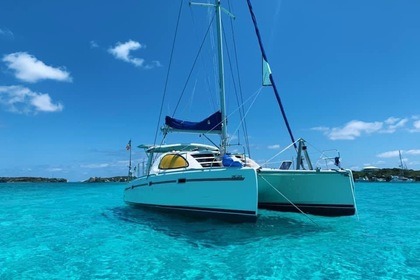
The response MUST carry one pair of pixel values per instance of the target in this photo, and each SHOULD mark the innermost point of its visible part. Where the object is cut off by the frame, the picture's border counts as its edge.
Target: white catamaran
(208, 180)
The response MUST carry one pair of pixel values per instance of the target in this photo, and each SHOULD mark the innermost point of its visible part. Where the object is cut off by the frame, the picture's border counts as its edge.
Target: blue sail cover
(210, 124)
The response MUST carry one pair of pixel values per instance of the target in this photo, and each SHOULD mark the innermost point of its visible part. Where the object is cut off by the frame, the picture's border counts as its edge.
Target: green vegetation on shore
(31, 180)
(62, 180)
(385, 174)
(108, 179)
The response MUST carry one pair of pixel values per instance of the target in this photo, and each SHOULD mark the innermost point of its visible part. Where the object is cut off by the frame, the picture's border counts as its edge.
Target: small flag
(266, 74)
(128, 147)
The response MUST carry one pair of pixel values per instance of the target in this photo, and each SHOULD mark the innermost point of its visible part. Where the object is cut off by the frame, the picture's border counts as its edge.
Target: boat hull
(318, 192)
(224, 193)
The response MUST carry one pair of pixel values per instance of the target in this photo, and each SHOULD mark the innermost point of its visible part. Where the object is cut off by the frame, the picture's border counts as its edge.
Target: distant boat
(401, 178)
(208, 180)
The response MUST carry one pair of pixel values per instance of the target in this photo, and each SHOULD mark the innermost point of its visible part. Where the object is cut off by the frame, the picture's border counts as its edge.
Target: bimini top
(178, 147)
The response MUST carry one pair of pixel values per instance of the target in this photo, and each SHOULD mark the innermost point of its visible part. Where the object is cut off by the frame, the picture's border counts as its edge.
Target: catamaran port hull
(224, 193)
(317, 192)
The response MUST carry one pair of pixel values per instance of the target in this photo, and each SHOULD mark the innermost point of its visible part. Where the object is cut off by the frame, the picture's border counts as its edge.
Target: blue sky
(78, 79)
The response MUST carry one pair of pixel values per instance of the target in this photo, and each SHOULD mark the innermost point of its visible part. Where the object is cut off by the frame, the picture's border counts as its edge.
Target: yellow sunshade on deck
(173, 161)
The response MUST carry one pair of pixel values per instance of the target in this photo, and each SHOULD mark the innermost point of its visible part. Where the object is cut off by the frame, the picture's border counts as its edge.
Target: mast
(223, 144)
(219, 9)
(401, 164)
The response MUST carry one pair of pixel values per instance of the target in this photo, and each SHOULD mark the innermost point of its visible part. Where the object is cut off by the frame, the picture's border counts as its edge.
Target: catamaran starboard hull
(318, 192)
(223, 193)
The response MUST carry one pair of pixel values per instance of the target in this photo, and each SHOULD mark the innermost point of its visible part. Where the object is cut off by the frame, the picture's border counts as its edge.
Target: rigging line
(204, 62)
(244, 127)
(249, 109)
(309, 144)
(257, 31)
(294, 205)
(317, 150)
(242, 105)
(192, 68)
(193, 95)
(233, 77)
(204, 135)
(256, 95)
(167, 73)
(238, 101)
(267, 161)
(212, 77)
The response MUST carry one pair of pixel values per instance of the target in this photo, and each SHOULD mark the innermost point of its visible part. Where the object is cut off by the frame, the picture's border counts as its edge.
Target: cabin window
(173, 161)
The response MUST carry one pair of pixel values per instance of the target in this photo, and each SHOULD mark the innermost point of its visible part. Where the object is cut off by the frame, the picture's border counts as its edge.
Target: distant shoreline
(385, 175)
(379, 175)
(27, 179)
(31, 180)
(115, 179)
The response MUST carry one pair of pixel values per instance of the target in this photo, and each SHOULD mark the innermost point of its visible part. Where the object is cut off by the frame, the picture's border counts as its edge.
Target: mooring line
(353, 190)
(306, 215)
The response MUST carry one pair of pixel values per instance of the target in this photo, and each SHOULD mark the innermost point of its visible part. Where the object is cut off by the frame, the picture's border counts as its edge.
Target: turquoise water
(85, 231)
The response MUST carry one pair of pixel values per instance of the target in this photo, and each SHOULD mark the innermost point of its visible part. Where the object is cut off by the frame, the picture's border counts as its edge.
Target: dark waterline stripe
(328, 210)
(225, 214)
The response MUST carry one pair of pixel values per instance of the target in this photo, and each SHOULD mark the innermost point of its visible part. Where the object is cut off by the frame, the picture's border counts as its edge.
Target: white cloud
(392, 124)
(122, 163)
(93, 44)
(391, 120)
(122, 51)
(321, 128)
(6, 32)
(43, 103)
(153, 64)
(19, 99)
(356, 128)
(95, 165)
(389, 154)
(353, 129)
(416, 126)
(29, 69)
(274, 147)
(396, 153)
(412, 152)
(54, 169)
